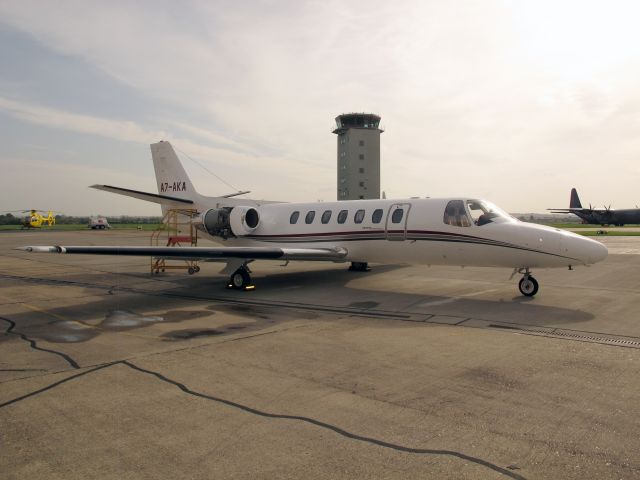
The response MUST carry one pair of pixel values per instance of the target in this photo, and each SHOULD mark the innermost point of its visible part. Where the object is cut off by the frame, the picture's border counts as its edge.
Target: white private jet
(432, 231)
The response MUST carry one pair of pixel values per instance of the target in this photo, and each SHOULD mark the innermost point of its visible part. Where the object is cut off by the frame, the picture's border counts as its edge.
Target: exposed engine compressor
(228, 222)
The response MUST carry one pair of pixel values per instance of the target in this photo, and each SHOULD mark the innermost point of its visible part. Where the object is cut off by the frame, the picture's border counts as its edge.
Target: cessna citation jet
(433, 231)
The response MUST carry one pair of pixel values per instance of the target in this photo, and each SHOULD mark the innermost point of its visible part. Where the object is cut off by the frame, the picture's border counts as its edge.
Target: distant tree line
(9, 219)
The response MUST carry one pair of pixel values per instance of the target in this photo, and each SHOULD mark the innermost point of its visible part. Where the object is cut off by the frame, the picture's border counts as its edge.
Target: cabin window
(326, 216)
(396, 216)
(294, 218)
(377, 215)
(456, 215)
(359, 216)
(342, 216)
(310, 216)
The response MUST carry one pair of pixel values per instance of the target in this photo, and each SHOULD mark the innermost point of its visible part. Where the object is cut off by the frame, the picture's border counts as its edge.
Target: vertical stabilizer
(170, 174)
(575, 200)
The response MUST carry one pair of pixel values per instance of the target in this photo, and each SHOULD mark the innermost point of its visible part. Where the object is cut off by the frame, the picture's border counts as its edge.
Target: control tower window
(342, 216)
(326, 216)
(362, 143)
(456, 215)
(310, 216)
(294, 218)
(377, 215)
(361, 156)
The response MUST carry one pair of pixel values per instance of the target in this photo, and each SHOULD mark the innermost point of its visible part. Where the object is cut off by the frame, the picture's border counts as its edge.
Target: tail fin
(170, 174)
(575, 200)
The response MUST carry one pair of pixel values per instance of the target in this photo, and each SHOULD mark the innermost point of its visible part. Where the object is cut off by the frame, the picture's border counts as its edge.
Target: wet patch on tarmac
(190, 333)
(124, 319)
(68, 332)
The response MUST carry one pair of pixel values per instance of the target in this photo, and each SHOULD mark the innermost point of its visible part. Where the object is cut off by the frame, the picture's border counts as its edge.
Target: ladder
(176, 230)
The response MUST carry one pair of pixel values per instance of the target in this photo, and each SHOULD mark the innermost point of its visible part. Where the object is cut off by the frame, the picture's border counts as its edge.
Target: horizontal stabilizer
(149, 197)
(201, 253)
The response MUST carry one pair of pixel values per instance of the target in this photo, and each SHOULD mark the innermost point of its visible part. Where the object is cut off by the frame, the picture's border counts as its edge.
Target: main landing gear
(359, 267)
(528, 285)
(241, 279)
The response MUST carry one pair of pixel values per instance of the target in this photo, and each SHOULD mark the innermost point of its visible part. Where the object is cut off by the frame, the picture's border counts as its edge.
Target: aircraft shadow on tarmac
(280, 297)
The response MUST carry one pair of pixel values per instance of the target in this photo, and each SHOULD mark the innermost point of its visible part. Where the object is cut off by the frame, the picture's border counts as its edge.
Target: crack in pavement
(34, 344)
(254, 411)
(55, 384)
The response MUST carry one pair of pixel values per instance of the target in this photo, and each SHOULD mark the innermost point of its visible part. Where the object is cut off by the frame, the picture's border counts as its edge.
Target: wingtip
(40, 249)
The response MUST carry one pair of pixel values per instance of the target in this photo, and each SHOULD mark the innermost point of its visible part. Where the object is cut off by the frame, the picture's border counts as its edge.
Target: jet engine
(243, 220)
(215, 221)
(228, 222)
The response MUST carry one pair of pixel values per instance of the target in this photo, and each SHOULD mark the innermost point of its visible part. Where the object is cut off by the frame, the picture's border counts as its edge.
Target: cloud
(472, 102)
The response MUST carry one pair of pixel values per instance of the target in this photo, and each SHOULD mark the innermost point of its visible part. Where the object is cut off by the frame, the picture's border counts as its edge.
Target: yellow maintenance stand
(176, 230)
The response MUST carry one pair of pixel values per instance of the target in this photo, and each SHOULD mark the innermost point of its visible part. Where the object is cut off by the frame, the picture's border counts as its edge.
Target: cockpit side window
(456, 215)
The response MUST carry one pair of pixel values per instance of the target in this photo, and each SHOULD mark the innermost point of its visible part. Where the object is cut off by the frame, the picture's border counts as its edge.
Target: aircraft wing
(210, 254)
(149, 197)
(569, 210)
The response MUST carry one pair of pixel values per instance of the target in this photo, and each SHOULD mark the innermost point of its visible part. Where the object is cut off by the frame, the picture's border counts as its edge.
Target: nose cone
(590, 251)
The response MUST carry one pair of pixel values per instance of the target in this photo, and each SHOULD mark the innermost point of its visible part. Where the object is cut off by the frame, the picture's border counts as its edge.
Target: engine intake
(243, 220)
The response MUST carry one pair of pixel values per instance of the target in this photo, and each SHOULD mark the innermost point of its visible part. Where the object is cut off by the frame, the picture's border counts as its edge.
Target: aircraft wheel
(528, 286)
(191, 270)
(240, 279)
(196, 268)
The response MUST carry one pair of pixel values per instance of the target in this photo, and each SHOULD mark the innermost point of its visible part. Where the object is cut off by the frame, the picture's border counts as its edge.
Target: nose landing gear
(528, 285)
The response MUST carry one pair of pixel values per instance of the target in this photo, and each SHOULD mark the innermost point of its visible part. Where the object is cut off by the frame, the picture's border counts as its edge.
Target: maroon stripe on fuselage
(371, 232)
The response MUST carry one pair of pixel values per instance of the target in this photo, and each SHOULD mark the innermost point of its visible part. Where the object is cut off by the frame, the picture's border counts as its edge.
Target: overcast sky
(514, 101)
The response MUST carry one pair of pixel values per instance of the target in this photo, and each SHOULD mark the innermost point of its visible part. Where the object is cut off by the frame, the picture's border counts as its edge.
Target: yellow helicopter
(36, 220)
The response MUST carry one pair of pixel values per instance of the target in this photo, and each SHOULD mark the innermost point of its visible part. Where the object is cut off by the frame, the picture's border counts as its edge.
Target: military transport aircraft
(603, 216)
(433, 231)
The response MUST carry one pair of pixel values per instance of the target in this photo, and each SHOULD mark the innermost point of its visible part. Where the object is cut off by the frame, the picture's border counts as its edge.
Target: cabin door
(395, 225)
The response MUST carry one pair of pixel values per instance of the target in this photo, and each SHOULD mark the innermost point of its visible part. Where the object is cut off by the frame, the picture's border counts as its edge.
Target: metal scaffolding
(176, 230)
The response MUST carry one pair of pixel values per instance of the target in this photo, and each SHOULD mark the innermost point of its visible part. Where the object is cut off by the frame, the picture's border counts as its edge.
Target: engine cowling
(243, 220)
(215, 221)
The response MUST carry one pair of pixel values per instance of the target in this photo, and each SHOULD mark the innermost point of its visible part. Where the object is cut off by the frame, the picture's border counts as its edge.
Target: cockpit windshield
(483, 212)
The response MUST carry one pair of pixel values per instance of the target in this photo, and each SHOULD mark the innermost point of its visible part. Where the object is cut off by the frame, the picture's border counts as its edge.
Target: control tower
(358, 155)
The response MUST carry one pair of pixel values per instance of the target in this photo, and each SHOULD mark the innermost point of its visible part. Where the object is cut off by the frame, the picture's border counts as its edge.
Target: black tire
(191, 270)
(240, 279)
(528, 286)
(196, 268)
